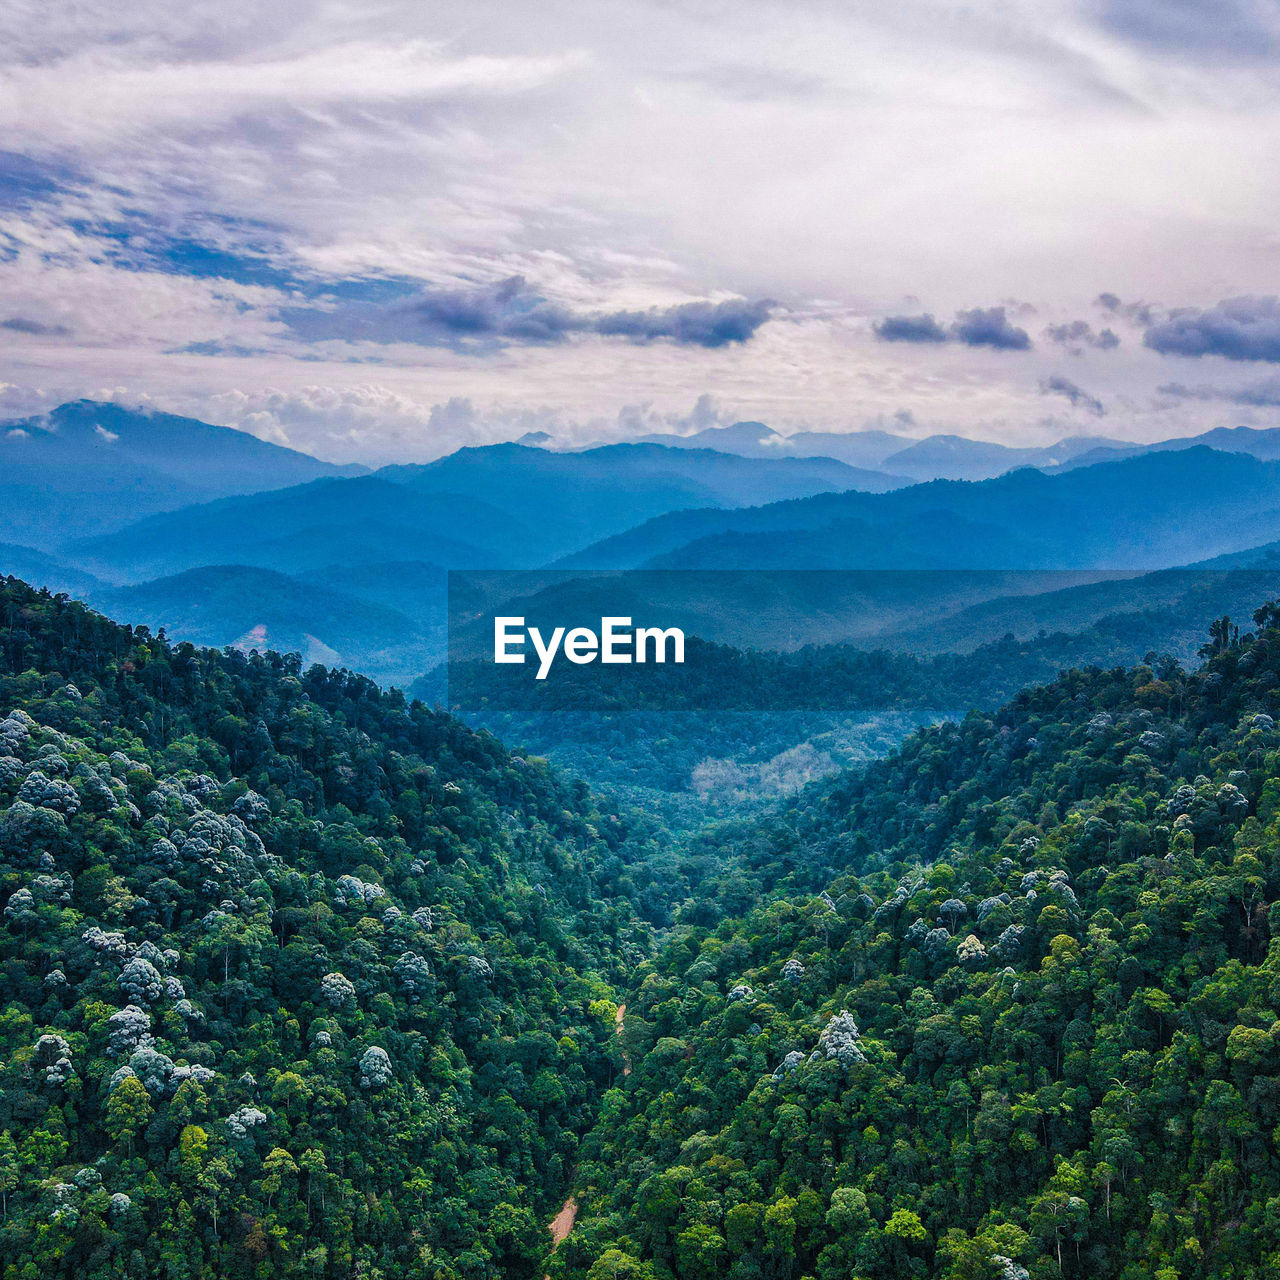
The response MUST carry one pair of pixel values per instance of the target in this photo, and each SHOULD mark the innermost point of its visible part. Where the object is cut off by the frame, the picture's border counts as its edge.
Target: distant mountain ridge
(936, 457)
(869, 448)
(352, 568)
(88, 467)
(574, 495)
(497, 506)
(952, 457)
(262, 609)
(1145, 512)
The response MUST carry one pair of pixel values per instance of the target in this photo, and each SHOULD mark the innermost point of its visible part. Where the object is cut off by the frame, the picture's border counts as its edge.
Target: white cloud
(622, 156)
(93, 97)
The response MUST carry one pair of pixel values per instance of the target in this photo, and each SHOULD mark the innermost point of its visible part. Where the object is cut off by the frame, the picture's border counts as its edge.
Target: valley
(942, 948)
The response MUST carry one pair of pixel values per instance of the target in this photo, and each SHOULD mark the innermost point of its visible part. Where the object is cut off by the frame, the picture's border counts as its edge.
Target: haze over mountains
(87, 467)
(937, 457)
(1145, 512)
(228, 540)
(950, 457)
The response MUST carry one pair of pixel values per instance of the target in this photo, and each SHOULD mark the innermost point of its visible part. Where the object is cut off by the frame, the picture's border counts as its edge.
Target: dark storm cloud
(1078, 334)
(700, 324)
(1078, 396)
(989, 327)
(511, 311)
(1264, 395)
(978, 327)
(1236, 328)
(909, 329)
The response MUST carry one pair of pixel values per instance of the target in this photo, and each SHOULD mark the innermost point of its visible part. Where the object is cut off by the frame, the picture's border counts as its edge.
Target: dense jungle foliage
(303, 979)
(295, 978)
(1011, 1010)
(734, 729)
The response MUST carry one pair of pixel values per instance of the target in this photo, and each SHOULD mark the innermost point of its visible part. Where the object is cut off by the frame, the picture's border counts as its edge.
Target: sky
(378, 231)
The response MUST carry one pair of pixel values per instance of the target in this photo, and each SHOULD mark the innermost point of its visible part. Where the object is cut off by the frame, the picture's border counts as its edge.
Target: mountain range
(1144, 512)
(352, 568)
(87, 467)
(951, 457)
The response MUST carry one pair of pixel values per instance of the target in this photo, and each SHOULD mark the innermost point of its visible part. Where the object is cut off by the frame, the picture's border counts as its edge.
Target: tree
(278, 1166)
(312, 1162)
(128, 1111)
(905, 1225)
(699, 1250)
(1062, 1209)
(212, 1184)
(8, 1168)
(615, 1264)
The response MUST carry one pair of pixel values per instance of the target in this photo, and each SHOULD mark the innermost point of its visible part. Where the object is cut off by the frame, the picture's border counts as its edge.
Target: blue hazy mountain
(255, 608)
(756, 440)
(87, 467)
(945, 457)
(41, 570)
(950, 457)
(414, 588)
(328, 522)
(1147, 512)
(500, 506)
(1258, 442)
(385, 619)
(581, 496)
(1226, 583)
(936, 457)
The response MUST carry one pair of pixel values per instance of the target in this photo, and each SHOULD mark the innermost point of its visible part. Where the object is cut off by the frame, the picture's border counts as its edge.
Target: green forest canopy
(303, 979)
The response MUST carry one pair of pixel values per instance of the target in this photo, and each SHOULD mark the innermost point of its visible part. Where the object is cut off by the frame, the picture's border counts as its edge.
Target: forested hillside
(301, 979)
(739, 727)
(1010, 1011)
(297, 979)
(1145, 512)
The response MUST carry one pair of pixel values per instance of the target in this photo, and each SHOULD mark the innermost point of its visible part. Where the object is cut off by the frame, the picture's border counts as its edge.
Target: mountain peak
(99, 465)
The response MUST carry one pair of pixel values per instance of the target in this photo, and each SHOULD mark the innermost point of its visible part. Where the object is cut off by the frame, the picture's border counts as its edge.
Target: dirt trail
(562, 1223)
(617, 1022)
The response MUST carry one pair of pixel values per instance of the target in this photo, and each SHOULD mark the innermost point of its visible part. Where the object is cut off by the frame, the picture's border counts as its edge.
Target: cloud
(1236, 328)
(923, 328)
(36, 328)
(101, 93)
(1139, 313)
(329, 421)
(178, 157)
(702, 324)
(57, 283)
(511, 311)
(1261, 395)
(1195, 29)
(758, 82)
(372, 423)
(23, 180)
(989, 327)
(977, 327)
(1075, 335)
(1056, 385)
